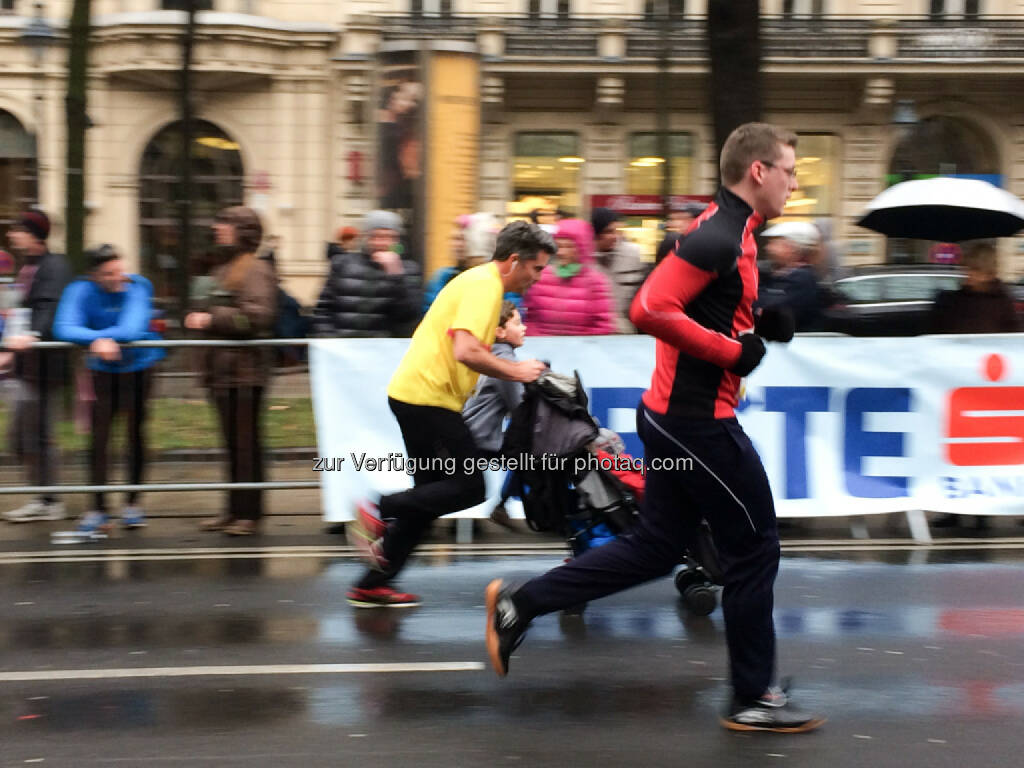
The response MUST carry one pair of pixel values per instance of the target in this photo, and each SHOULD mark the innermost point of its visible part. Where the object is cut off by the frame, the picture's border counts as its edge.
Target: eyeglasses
(791, 172)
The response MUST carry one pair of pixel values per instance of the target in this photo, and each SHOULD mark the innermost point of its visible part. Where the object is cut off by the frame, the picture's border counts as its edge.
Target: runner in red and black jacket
(700, 463)
(697, 304)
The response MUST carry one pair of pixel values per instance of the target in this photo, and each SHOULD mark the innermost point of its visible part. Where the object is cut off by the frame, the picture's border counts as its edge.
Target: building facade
(295, 99)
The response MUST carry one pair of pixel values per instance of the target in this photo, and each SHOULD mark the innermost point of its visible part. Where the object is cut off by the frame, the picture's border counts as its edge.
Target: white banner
(844, 426)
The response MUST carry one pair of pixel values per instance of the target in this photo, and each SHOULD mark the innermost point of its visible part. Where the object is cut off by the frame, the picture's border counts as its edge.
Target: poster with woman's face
(399, 137)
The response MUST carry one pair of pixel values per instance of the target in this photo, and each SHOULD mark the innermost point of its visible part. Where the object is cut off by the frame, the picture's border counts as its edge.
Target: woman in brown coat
(242, 305)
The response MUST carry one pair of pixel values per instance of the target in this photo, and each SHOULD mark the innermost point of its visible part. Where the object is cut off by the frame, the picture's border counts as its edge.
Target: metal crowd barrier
(159, 487)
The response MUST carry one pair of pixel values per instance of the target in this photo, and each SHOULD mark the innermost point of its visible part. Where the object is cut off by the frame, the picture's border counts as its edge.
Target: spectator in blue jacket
(101, 312)
(472, 243)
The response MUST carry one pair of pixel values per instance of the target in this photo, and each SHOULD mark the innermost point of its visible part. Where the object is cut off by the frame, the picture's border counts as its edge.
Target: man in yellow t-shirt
(448, 352)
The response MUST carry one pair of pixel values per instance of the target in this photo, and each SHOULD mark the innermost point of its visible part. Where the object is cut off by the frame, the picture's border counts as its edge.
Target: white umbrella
(945, 209)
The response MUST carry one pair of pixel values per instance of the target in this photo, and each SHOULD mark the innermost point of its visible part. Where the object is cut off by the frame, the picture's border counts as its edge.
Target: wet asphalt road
(916, 657)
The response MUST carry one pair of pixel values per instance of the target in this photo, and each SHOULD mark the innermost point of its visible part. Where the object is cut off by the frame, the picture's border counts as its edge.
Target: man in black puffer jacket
(372, 292)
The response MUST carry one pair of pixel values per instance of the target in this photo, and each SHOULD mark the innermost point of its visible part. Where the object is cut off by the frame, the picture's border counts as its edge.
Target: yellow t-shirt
(429, 373)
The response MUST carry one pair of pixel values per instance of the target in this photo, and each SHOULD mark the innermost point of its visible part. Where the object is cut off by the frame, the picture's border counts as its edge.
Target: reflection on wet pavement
(884, 641)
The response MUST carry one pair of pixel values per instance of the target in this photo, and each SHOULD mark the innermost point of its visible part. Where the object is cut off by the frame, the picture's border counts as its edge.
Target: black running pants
(723, 482)
(117, 392)
(440, 443)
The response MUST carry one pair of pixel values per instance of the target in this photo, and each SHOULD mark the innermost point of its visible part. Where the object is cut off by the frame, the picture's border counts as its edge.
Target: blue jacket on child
(87, 312)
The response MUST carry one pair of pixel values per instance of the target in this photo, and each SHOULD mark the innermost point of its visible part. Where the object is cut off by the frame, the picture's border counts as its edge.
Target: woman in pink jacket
(572, 298)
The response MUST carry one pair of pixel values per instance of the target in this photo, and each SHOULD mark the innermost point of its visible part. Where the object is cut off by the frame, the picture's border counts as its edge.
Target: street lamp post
(191, 7)
(37, 35)
(663, 92)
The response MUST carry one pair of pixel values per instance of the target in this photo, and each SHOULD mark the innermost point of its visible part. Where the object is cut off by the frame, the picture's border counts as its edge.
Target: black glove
(775, 324)
(750, 355)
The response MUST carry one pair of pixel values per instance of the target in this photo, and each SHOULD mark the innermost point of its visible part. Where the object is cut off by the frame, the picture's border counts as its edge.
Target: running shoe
(365, 534)
(92, 526)
(505, 628)
(133, 517)
(35, 510)
(381, 597)
(773, 711)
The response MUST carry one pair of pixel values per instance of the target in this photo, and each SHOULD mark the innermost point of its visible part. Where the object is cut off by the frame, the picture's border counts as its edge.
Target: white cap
(800, 232)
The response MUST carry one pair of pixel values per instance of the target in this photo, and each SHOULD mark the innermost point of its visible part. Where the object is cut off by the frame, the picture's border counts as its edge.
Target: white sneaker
(92, 527)
(36, 510)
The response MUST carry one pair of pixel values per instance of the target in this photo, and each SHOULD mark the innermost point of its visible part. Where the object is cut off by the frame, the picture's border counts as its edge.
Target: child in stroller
(578, 481)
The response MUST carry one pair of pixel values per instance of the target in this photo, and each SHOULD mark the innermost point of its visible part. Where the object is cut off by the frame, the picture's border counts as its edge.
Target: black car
(888, 301)
(1017, 291)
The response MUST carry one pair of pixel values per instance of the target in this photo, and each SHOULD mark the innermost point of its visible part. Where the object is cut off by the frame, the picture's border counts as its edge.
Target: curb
(193, 455)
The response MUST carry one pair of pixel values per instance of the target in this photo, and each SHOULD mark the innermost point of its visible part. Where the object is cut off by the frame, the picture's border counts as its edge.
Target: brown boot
(218, 523)
(243, 528)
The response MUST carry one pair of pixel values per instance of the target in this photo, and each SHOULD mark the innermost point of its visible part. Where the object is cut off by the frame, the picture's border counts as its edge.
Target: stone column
(884, 42)
(492, 98)
(490, 38)
(608, 99)
(863, 173)
(283, 163)
(495, 164)
(612, 42)
(356, 145)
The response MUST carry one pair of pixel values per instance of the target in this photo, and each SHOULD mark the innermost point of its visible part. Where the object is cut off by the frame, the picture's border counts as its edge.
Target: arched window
(217, 178)
(19, 187)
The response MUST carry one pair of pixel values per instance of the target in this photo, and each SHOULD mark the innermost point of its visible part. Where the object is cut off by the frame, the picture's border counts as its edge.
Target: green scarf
(568, 270)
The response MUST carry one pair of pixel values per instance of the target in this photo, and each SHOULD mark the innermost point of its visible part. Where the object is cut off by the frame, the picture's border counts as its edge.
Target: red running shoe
(381, 597)
(368, 516)
(364, 535)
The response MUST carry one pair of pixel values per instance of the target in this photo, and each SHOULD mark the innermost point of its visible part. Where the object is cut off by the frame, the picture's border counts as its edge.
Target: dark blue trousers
(695, 469)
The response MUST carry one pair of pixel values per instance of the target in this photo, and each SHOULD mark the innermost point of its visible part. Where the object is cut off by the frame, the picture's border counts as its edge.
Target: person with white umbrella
(981, 305)
(945, 208)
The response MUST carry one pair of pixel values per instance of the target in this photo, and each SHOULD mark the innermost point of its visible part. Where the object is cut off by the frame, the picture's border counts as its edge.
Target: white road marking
(239, 671)
(465, 551)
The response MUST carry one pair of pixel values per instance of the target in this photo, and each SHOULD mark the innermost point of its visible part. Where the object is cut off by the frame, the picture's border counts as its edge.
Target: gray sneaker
(505, 627)
(35, 511)
(773, 711)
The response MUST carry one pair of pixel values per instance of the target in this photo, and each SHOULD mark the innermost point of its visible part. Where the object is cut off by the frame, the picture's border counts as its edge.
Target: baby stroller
(577, 481)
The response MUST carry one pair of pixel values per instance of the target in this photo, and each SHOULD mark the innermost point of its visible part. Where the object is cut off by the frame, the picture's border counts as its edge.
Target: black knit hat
(601, 219)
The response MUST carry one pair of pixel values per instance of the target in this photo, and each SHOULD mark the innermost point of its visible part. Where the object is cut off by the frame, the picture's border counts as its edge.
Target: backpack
(290, 324)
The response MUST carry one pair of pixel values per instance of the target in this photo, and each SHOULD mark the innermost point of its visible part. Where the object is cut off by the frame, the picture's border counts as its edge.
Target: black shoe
(499, 516)
(772, 712)
(505, 629)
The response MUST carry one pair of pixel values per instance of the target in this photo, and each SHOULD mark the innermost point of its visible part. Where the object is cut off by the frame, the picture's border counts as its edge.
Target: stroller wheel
(700, 599)
(687, 577)
(575, 610)
(697, 592)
